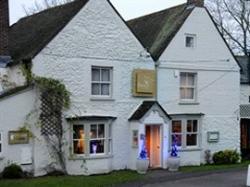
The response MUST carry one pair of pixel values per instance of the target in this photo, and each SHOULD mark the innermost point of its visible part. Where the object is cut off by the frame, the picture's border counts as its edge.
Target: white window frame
(87, 128)
(186, 86)
(194, 41)
(184, 133)
(110, 82)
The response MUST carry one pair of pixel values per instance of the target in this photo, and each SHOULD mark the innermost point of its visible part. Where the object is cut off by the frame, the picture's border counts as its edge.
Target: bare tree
(233, 20)
(44, 4)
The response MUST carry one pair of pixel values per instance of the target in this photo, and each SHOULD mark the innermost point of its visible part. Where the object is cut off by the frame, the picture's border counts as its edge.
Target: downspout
(156, 79)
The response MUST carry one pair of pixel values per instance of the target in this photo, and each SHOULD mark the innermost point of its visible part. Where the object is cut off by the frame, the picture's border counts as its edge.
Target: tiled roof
(155, 31)
(31, 34)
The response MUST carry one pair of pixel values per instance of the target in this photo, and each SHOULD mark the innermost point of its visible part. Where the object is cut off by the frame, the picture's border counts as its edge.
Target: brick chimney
(4, 28)
(198, 3)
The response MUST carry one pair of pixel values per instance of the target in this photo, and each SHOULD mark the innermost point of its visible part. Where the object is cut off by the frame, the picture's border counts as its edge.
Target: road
(227, 179)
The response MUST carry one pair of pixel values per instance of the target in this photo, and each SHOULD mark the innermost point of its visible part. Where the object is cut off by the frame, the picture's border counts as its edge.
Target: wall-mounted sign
(135, 138)
(18, 137)
(213, 136)
(144, 83)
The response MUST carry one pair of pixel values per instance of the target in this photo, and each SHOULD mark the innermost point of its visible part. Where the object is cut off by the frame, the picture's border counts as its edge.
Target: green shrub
(226, 157)
(12, 171)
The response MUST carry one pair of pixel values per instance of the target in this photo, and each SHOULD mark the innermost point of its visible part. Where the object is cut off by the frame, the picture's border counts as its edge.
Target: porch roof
(144, 108)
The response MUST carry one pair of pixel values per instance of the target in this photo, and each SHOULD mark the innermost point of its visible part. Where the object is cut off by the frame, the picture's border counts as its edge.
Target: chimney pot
(198, 3)
(4, 28)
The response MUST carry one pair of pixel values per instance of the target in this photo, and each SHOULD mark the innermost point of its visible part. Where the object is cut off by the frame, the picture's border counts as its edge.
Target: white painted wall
(14, 110)
(218, 83)
(96, 37)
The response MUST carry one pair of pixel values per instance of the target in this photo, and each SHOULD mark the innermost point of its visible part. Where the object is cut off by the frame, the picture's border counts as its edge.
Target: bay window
(185, 133)
(91, 138)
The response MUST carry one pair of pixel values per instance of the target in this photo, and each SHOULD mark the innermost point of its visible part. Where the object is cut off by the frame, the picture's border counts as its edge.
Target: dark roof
(155, 31)
(144, 108)
(31, 34)
(4, 61)
(244, 74)
(13, 91)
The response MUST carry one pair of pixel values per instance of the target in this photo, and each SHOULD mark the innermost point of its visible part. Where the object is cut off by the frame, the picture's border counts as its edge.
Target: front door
(153, 145)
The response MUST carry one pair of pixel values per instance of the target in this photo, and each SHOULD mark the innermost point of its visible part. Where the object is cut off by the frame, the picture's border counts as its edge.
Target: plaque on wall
(213, 136)
(18, 137)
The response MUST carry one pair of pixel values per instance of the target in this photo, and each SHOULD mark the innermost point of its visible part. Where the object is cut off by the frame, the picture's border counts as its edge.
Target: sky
(128, 8)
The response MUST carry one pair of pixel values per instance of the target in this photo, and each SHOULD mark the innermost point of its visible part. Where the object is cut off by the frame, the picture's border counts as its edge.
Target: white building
(118, 96)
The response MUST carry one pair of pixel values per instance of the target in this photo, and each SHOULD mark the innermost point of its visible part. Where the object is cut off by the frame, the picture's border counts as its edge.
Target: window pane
(183, 95)
(78, 132)
(101, 131)
(78, 146)
(189, 93)
(183, 79)
(95, 89)
(96, 146)
(195, 126)
(191, 139)
(192, 126)
(189, 41)
(176, 126)
(95, 74)
(176, 138)
(93, 131)
(105, 89)
(105, 74)
(190, 79)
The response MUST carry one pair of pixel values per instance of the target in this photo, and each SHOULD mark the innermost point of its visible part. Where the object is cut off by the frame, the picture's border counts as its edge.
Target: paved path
(228, 179)
(163, 178)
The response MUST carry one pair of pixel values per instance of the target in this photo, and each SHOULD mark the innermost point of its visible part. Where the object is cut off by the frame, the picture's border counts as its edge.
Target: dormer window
(190, 40)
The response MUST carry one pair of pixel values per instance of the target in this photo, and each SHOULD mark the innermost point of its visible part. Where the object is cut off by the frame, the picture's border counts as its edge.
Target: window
(190, 40)
(91, 139)
(188, 86)
(185, 133)
(176, 132)
(101, 81)
(192, 133)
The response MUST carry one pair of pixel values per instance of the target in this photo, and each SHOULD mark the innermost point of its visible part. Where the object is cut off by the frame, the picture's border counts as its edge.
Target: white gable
(210, 51)
(96, 32)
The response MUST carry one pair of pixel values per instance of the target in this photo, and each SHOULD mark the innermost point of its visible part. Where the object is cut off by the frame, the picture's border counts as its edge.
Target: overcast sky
(127, 8)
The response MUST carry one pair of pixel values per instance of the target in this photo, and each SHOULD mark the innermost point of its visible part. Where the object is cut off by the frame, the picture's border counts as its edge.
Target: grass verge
(75, 181)
(213, 167)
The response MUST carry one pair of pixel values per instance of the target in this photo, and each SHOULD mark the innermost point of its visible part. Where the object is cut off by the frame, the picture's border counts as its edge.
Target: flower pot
(142, 165)
(173, 163)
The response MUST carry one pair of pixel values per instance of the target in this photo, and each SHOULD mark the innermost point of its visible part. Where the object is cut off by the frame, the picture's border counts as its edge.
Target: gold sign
(18, 137)
(144, 83)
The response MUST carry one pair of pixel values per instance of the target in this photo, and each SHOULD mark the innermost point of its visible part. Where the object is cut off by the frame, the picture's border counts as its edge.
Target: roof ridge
(46, 10)
(152, 13)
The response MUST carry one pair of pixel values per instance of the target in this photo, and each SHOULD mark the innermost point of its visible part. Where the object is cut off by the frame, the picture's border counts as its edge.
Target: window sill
(101, 99)
(188, 103)
(76, 157)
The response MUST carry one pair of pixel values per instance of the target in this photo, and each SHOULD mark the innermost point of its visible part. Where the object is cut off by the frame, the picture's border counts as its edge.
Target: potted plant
(173, 162)
(142, 162)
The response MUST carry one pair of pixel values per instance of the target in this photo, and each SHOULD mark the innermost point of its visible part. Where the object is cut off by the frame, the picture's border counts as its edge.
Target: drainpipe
(156, 79)
(248, 65)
